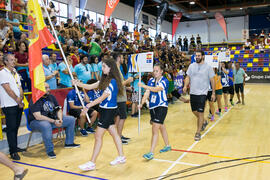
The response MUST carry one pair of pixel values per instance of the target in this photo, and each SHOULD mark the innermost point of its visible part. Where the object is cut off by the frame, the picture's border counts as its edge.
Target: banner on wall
(176, 19)
(245, 35)
(211, 60)
(110, 6)
(137, 10)
(162, 10)
(224, 56)
(142, 62)
(220, 19)
(258, 77)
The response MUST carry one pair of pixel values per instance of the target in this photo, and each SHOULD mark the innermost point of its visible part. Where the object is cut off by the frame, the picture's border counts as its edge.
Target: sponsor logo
(111, 3)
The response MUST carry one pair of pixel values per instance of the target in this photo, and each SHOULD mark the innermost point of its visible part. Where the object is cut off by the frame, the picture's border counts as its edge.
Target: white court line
(196, 142)
(188, 164)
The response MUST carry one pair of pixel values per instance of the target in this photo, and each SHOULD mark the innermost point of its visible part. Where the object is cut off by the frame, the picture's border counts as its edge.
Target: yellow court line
(224, 157)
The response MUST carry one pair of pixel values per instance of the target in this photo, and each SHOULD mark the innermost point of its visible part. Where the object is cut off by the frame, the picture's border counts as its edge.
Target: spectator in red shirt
(114, 26)
(22, 65)
(75, 57)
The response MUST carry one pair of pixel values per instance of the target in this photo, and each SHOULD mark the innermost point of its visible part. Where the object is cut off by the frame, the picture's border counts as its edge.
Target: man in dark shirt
(45, 115)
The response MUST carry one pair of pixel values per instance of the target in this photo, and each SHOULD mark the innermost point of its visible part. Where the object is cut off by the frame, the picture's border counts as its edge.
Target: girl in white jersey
(156, 91)
(111, 85)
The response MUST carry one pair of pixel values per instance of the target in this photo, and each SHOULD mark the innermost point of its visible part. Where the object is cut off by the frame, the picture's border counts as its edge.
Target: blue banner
(137, 10)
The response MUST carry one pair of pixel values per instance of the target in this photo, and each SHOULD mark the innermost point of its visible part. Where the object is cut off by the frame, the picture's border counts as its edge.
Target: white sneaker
(89, 166)
(119, 160)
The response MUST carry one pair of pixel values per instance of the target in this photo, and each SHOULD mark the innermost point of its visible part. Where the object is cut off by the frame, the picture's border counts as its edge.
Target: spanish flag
(39, 37)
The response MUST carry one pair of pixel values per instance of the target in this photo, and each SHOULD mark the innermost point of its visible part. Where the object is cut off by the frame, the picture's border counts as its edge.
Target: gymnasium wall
(123, 12)
(216, 34)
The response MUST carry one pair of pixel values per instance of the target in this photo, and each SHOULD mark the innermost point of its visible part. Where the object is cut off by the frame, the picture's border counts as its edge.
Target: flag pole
(65, 60)
(139, 109)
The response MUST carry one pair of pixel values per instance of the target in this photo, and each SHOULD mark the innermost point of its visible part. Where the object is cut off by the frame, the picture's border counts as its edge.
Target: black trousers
(13, 120)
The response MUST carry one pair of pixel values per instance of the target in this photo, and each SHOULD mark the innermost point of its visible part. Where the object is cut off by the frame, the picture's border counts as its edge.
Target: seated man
(75, 109)
(45, 115)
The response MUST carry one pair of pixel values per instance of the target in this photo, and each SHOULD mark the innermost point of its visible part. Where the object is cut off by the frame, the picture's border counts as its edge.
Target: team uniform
(231, 87)
(73, 97)
(108, 107)
(158, 103)
(225, 82)
(93, 95)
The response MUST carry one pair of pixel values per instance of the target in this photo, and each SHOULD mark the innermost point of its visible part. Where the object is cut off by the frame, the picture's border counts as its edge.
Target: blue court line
(59, 170)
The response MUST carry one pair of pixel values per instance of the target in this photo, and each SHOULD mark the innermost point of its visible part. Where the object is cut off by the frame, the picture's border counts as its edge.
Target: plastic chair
(56, 130)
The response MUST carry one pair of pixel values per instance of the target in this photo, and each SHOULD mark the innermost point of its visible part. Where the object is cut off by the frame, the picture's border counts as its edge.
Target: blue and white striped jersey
(158, 98)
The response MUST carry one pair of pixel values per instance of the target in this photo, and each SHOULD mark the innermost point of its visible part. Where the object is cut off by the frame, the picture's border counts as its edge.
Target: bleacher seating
(253, 60)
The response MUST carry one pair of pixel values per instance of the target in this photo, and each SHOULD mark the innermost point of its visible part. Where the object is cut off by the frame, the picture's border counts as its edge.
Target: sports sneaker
(232, 103)
(125, 138)
(166, 149)
(212, 118)
(204, 125)
(90, 130)
(148, 156)
(218, 113)
(83, 132)
(51, 155)
(118, 160)
(124, 141)
(89, 166)
(209, 116)
(134, 115)
(226, 109)
(72, 145)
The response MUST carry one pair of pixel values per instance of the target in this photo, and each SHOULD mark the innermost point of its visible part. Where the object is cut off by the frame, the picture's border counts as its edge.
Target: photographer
(45, 115)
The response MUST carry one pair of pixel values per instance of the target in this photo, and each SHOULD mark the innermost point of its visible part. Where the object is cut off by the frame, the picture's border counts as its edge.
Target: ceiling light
(241, 8)
(204, 11)
(192, 2)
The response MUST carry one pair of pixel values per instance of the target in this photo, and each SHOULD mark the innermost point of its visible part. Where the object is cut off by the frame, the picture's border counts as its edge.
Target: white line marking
(188, 164)
(196, 142)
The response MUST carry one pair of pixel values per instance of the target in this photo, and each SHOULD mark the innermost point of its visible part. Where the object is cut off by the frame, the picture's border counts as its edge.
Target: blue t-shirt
(100, 68)
(238, 76)
(15, 28)
(94, 67)
(54, 67)
(93, 94)
(231, 76)
(111, 101)
(84, 72)
(225, 79)
(158, 98)
(65, 79)
(52, 82)
(135, 83)
(73, 97)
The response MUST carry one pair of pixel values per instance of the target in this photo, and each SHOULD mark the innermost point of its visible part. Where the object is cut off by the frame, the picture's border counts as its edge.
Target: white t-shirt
(3, 32)
(6, 77)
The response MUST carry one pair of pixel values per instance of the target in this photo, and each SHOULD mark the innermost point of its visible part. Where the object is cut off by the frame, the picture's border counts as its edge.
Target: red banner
(110, 6)
(176, 19)
(220, 19)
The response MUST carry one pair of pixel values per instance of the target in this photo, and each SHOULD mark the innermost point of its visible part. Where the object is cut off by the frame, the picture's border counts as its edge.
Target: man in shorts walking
(199, 75)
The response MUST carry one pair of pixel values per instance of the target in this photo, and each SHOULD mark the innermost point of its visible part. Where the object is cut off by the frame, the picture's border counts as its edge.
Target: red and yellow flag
(39, 37)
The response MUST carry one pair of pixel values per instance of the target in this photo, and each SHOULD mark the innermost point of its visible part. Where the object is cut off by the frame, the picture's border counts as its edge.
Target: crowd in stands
(260, 40)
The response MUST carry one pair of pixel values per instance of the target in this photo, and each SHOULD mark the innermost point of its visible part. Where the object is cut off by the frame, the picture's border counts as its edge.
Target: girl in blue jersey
(156, 90)
(225, 83)
(110, 85)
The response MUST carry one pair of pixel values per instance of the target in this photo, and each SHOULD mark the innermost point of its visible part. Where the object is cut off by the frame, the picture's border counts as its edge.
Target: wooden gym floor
(240, 133)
